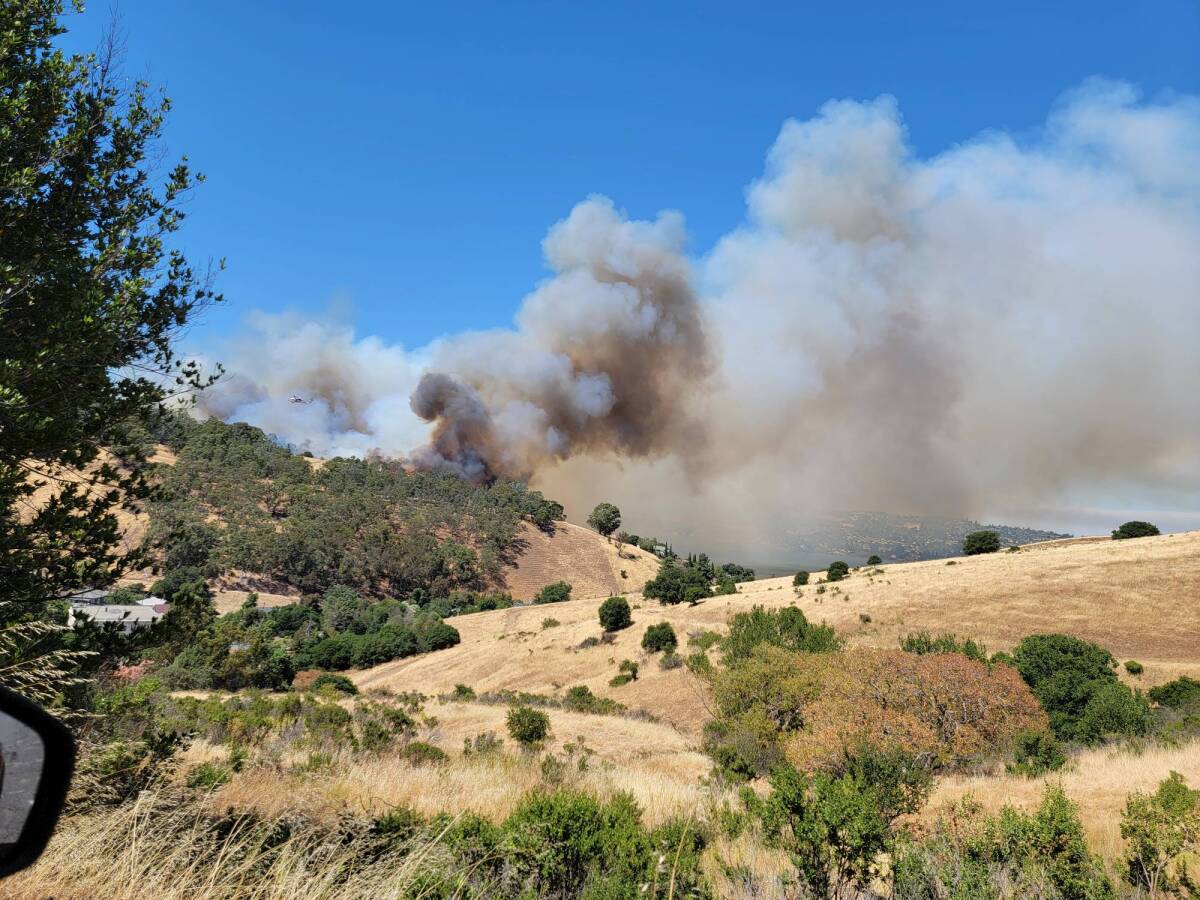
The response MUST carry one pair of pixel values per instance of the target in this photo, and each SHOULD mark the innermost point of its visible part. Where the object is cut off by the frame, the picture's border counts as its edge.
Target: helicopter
(295, 399)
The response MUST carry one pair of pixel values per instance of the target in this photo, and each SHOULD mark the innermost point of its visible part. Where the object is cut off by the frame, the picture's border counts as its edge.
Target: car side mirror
(37, 757)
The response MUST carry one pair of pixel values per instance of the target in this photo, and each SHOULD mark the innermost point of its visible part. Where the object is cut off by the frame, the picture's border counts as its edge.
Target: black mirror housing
(33, 785)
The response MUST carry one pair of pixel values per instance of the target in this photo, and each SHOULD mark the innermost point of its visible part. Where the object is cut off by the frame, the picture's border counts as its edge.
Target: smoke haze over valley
(1006, 330)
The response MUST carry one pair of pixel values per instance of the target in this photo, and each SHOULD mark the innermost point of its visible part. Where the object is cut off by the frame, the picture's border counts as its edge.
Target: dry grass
(1098, 781)
(1138, 598)
(162, 848)
(592, 564)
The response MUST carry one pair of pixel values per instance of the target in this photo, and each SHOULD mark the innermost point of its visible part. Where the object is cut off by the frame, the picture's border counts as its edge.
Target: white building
(127, 617)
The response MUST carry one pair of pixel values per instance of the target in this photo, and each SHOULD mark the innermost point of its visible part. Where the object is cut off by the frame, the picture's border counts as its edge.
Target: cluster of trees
(235, 499)
(693, 580)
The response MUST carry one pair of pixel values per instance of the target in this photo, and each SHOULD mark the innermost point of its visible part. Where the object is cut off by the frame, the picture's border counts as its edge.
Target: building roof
(108, 613)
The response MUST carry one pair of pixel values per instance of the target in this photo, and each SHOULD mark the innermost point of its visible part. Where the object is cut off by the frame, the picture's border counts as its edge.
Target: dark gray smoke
(609, 358)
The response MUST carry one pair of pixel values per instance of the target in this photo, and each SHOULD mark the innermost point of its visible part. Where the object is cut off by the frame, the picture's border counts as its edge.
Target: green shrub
(615, 614)
(557, 592)
(1036, 753)
(787, 628)
(704, 639)
(1014, 854)
(1178, 693)
(1114, 709)
(528, 726)
(874, 560)
(978, 542)
(581, 699)
(462, 693)
(420, 753)
(836, 826)
(660, 637)
(800, 579)
(1135, 530)
(209, 776)
(339, 683)
(1065, 673)
(549, 622)
(837, 571)
(1161, 830)
(627, 672)
(922, 642)
(567, 844)
(1133, 667)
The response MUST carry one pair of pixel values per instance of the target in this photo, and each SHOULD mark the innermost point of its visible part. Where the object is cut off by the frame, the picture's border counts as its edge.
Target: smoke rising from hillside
(1008, 324)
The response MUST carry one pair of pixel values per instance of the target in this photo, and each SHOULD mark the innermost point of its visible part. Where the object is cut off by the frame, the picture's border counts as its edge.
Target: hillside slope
(1140, 599)
(591, 564)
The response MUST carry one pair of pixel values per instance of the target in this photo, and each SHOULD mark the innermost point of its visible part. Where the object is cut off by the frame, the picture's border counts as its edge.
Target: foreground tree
(91, 298)
(1135, 530)
(605, 518)
(978, 542)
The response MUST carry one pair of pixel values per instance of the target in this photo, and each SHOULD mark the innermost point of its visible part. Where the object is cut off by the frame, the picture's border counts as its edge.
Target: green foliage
(527, 726)
(874, 560)
(626, 672)
(581, 699)
(1076, 684)
(800, 579)
(605, 518)
(1133, 667)
(1036, 753)
(94, 295)
(922, 642)
(978, 542)
(835, 826)
(1160, 830)
(615, 614)
(367, 524)
(1135, 530)
(660, 637)
(787, 628)
(678, 584)
(1113, 709)
(568, 844)
(420, 753)
(550, 622)
(557, 592)
(339, 683)
(1015, 854)
(1181, 692)
(737, 573)
(837, 571)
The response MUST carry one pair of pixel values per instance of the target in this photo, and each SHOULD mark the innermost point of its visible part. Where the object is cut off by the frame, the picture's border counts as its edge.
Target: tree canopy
(92, 296)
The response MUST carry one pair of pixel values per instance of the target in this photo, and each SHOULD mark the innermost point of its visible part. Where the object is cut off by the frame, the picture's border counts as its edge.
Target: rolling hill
(1140, 599)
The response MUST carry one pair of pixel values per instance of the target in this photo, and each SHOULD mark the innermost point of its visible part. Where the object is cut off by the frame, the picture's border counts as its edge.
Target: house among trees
(128, 618)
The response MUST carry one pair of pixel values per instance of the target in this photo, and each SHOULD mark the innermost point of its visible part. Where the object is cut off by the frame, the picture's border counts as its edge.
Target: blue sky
(397, 164)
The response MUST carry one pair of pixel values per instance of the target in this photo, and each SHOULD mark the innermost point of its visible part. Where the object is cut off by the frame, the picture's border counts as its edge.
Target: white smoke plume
(1011, 324)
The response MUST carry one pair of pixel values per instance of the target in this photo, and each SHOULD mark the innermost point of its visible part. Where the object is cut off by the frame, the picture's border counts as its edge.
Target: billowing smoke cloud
(1008, 325)
(607, 358)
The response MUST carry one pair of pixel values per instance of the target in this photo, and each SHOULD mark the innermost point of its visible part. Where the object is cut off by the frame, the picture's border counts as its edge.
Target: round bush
(528, 726)
(981, 542)
(660, 637)
(339, 683)
(874, 560)
(837, 571)
(800, 579)
(615, 614)
(1135, 530)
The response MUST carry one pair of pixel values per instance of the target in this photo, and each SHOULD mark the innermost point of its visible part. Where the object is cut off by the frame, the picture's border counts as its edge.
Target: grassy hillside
(1140, 599)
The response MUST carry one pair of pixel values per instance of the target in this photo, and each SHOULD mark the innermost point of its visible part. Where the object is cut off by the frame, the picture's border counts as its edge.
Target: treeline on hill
(236, 500)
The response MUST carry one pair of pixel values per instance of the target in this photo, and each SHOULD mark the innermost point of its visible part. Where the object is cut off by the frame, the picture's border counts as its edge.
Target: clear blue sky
(404, 160)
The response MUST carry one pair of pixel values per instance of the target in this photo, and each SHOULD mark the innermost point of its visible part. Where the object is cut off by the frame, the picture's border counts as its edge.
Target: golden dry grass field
(1139, 598)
